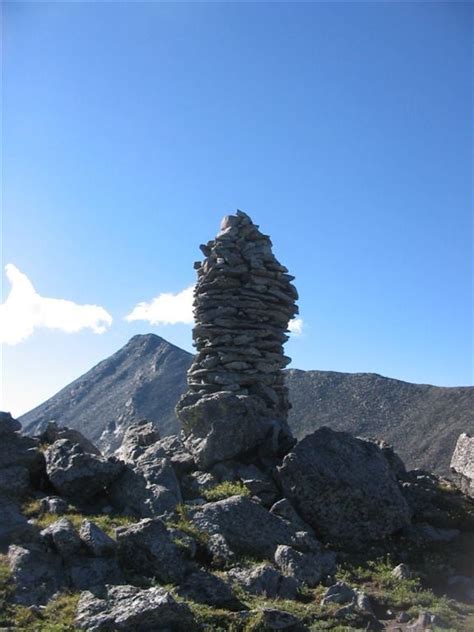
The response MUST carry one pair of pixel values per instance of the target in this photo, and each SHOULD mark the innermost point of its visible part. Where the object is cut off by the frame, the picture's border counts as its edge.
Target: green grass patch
(226, 490)
(184, 524)
(57, 616)
(107, 522)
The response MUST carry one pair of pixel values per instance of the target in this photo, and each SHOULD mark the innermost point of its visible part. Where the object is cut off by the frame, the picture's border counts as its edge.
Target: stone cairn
(243, 302)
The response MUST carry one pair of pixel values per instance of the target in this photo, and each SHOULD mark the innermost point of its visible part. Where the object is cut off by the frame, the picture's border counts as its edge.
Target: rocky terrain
(337, 536)
(145, 379)
(232, 524)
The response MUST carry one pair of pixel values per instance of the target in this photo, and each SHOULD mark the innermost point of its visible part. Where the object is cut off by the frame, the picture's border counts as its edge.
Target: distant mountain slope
(145, 378)
(421, 421)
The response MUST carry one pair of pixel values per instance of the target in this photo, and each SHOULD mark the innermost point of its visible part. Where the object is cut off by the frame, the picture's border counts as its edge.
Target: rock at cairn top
(243, 302)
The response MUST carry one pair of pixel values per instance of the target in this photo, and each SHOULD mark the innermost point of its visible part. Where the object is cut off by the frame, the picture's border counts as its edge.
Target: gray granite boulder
(220, 426)
(8, 424)
(37, 574)
(204, 587)
(247, 527)
(344, 488)
(147, 548)
(265, 580)
(96, 541)
(53, 504)
(14, 481)
(462, 464)
(77, 474)
(128, 609)
(137, 438)
(62, 537)
(14, 527)
(306, 568)
(17, 451)
(91, 573)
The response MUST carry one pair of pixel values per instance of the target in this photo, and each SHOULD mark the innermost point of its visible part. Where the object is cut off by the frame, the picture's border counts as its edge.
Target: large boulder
(204, 587)
(77, 474)
(247, 527)
(8, 424)
(344, 487)
(96, 541)
(62, 537)
(129, 608)
(148, 549)
(462, 463)
(14, 527)
(21, 462)
(220, 426)
(36, 573)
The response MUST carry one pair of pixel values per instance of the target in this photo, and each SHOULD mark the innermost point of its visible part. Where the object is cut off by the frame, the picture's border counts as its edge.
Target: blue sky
(343, 129)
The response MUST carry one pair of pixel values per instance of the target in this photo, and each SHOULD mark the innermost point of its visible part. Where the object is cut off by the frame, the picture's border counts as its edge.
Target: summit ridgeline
(237, 400)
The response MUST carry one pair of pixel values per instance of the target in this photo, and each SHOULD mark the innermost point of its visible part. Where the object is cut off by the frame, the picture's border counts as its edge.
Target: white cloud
(166, 309)
(296, 326)
(170, 309)
(25, 310)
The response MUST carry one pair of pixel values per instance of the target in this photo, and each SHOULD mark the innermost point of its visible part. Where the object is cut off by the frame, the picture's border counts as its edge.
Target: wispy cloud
(296, 326)
(166, 309)
(25, 310)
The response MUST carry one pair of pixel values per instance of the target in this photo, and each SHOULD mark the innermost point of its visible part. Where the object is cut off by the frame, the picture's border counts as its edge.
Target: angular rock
(273, 619)
(53, 504)
(19, 451)
(284, 509)
(14, 481)
(138, 436)
(204, 587)
(14, 527)
(462, 464)
(194, 484)
(265, 580)
(96, 541)
(148, 488)
(344, 488)
(52, 432)
(36, 573)
(77, 474)
(148, 549)
(306, 568)
(127, 608)
(339, 593)
(91, 573)
(246, 526)
(173, 448)
(62, 537)
(8, 425)
(221, 553)
(221, 426)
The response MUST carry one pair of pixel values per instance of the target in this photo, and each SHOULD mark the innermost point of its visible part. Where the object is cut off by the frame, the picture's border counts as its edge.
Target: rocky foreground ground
(336, 536)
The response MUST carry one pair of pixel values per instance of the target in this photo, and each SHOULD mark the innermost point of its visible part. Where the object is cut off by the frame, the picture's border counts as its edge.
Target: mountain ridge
(145, 378)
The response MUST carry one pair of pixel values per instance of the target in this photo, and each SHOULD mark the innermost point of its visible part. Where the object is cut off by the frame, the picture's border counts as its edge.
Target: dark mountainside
(148, 375)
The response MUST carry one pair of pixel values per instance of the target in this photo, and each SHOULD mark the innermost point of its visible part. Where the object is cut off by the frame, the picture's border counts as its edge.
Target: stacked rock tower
(243, 302)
